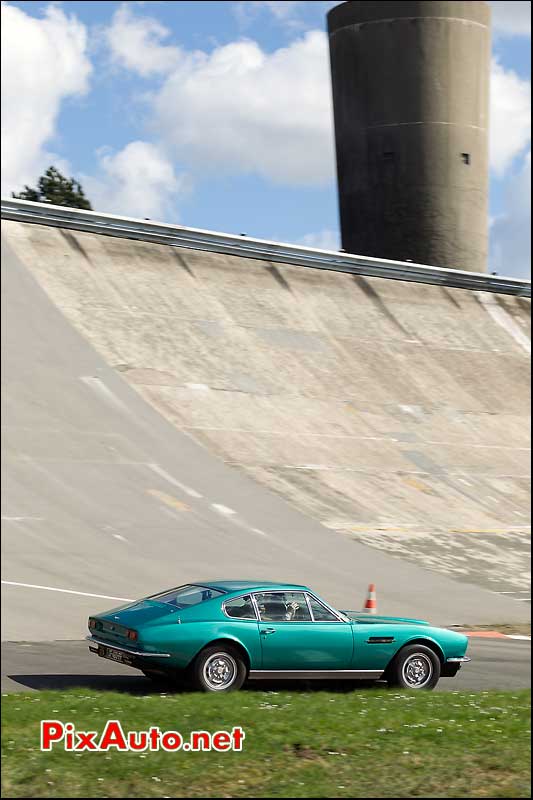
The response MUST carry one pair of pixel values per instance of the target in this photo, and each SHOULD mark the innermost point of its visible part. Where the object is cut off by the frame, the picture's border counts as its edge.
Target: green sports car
(220, 633)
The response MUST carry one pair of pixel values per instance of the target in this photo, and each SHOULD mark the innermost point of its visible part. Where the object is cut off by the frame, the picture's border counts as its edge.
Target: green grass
(361, 743)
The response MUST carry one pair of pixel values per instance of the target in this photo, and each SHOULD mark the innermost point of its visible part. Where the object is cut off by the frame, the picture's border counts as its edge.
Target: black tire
(218, 668)
(416, 666)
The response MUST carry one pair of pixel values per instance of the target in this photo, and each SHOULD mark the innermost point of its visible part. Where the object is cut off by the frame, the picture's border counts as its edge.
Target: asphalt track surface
(496, 664)
(105, 500)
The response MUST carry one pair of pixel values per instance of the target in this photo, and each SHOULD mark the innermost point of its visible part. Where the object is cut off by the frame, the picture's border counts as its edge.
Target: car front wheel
(218, 669)
(415, 667)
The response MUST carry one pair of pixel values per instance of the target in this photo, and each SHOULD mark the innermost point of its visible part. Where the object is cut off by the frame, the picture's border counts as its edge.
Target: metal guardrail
(244, 247)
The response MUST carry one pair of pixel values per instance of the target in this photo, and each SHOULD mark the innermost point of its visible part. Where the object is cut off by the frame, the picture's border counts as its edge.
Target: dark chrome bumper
(451, 666)
(129, 651)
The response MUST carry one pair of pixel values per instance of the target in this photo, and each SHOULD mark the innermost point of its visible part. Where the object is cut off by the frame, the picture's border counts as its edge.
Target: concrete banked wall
(396, 413)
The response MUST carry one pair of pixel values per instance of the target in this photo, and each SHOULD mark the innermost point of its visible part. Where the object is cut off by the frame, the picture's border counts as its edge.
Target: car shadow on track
(139, 685)
(107, 683)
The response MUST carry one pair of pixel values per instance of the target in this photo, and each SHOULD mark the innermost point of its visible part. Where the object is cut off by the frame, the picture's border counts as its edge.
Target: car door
(292, 639)
(243, 625)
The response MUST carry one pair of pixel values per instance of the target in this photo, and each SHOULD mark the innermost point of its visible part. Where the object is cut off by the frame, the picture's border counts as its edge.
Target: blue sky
(217, 114)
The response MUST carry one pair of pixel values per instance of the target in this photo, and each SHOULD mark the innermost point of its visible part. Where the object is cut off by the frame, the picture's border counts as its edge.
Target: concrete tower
(411, 104)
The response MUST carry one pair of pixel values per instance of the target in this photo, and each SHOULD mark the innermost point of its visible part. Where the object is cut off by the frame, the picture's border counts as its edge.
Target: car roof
(240, 586)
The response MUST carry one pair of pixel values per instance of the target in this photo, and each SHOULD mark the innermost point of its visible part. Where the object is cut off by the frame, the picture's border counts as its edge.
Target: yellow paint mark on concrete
(169, 500)
(413, 531)
(485, 530)
(418, 484)
(345, 526)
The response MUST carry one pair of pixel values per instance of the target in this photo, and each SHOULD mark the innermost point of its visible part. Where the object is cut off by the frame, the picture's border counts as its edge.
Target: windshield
(187, 596)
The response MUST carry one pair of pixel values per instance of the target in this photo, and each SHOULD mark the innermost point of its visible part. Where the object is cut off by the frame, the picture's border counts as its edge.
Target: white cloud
(43, 63)
(239, 109)
(291, 14)
(285, 11)
(326, 239)
(137, 43)
(510, 117)
(511, 17)
(282, 9)
(138, 181)
(510, 235)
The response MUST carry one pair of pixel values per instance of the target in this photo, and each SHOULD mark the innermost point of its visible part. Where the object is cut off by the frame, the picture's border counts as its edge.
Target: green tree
(53, 187)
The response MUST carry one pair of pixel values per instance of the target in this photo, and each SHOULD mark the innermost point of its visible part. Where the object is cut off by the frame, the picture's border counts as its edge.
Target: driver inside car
(278, 611)
(292, 609)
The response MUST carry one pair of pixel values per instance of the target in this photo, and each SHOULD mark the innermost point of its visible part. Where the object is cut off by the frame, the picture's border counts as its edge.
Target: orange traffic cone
(371, 604)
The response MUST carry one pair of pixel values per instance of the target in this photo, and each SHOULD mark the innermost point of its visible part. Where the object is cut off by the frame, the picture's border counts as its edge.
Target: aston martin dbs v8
(220, 633)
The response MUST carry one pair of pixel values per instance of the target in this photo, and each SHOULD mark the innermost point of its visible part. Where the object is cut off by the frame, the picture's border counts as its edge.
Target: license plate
(114, 655)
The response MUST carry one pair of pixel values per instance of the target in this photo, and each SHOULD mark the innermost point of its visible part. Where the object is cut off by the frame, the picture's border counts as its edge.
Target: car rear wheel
(219, 668)
(414, 667)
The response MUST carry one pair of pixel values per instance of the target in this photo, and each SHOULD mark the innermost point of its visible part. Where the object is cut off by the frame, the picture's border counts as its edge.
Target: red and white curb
(494, 635)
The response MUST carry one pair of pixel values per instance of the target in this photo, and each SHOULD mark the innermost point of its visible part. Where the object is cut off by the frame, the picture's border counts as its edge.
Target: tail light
(132, 635)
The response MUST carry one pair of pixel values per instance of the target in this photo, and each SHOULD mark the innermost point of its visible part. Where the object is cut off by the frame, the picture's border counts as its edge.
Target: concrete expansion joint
(425, 122)
(388, 20)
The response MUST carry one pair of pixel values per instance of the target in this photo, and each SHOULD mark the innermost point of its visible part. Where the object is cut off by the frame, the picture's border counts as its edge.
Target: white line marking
(223, 509)
(241, 523)
(197, 387)
(236, 519)
(22, 519)
(163, 474)
(66, 591)
(505, 321)
(416, 411)
(100, 387)
(518, 636)
(171, 513)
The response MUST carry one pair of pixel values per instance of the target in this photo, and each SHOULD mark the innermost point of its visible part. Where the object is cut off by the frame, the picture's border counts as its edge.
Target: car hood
(360, 616)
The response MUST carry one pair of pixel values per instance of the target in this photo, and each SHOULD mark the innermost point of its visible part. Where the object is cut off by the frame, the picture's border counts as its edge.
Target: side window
(240, 607)
(187, 596)
(320, 612)
(283, 607)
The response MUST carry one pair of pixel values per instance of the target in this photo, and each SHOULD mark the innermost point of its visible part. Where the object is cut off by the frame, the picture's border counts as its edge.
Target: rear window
(187, 596)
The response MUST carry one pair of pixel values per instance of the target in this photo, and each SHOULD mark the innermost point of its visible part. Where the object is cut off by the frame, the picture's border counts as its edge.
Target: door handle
(266, 631)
